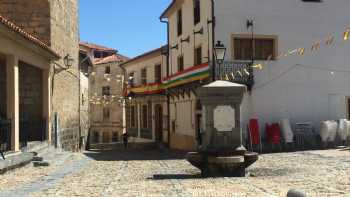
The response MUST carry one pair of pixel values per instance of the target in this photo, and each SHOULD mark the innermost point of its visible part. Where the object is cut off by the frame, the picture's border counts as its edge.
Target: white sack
(324, 131)
(348, 129)
(343, 129)
(332, 131)
(287, 131)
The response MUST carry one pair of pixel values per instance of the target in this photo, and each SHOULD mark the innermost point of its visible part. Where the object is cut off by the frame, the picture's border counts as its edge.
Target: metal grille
(237, 72)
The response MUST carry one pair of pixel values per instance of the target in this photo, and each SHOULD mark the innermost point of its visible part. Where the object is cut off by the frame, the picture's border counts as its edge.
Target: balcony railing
(5, 135)
(237, 72)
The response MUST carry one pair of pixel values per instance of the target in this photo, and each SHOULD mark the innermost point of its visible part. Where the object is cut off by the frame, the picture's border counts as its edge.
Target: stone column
(12, 76)
(47, 102)
(138, 120)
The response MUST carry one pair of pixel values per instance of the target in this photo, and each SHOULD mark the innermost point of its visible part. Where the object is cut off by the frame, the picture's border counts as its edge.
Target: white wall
(282, 89)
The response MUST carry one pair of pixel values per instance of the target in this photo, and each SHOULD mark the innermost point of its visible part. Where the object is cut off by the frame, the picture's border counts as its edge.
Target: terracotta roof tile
(10, 25)
(96, 47)
(109, 59)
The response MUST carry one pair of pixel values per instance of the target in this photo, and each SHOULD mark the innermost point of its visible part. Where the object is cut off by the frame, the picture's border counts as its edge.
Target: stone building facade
(105, 92)
(55, 22)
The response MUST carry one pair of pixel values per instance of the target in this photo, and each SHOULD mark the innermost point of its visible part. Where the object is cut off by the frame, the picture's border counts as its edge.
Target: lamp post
(68, 61)
(220, 52)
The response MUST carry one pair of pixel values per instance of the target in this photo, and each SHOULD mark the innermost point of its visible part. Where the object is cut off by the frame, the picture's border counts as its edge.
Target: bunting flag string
(328, 41)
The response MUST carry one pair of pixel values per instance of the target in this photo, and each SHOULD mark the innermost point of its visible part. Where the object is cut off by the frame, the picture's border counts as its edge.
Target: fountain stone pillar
(222, 152)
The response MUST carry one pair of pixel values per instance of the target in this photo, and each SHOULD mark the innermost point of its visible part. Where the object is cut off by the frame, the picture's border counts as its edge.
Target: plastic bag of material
(333, 131)
(287, 131)
(343, 129)
(348, 129)
(324, 131)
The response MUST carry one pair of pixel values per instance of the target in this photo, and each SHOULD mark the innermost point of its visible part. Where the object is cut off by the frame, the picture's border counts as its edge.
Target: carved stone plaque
(224, 118)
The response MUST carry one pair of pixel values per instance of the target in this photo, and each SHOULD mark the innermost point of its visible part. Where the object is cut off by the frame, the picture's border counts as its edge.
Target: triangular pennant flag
(269, 57)
(315, 46)
(227, 78)
(233, 76)
(246, 71)
(259, 66)
(346, 34)
(280, 55)
(293, 51)
(329, 40)
(301, 51)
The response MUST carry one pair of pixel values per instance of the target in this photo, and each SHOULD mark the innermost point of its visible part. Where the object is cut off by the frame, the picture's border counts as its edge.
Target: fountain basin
(213, 165)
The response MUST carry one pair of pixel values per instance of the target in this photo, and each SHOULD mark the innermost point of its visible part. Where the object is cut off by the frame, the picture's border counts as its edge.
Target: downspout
(167, 74)
(213, 38)
(124, 131)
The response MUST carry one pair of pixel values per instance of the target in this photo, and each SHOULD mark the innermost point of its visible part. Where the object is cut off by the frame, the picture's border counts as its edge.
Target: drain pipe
(213, 22)
(167, 74)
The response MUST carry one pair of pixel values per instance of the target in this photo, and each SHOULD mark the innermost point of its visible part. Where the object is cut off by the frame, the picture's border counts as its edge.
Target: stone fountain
(222, 152)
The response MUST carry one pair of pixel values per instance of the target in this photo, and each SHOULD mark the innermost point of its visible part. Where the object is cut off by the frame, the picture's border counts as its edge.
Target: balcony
(236, 72)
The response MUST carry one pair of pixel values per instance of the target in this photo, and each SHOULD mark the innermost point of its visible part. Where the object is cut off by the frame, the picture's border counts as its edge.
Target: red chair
(254, 133)
(274, 134)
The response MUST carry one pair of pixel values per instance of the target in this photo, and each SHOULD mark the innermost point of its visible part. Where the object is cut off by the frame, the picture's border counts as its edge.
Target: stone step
(36, 158)
(15, 160)
(40, 163)
(36, 147)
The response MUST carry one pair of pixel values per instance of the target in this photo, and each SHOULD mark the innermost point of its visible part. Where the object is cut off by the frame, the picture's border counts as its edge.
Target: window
(264, 48)
(196, 11)
(106, 91)
(106, 113)
(157, 73)
(107, 70)
(144, 76)
(198, 56)
(144, 117)
(179, 22)
(180, 63)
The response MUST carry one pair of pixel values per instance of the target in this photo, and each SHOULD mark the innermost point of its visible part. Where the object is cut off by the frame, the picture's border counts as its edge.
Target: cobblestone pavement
(152, 173)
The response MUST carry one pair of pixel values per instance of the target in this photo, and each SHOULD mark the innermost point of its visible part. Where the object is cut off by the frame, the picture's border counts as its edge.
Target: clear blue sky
(130, 26)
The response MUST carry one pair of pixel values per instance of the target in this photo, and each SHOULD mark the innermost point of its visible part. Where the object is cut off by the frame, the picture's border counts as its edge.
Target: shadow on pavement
(134, 155)
(175, 176)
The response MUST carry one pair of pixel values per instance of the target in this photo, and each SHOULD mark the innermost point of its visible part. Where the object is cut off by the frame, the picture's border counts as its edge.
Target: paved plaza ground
(155, 173)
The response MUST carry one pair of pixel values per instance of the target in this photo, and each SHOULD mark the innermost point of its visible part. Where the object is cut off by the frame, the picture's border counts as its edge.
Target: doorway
(158, 123)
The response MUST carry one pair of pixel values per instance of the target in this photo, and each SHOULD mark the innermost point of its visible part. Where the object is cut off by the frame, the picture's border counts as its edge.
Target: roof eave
(165, 13)
(46, 51)
(142, 56)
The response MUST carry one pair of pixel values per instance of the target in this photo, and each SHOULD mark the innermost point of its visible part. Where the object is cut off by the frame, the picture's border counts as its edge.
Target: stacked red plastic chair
(254, 133)
(276, 133)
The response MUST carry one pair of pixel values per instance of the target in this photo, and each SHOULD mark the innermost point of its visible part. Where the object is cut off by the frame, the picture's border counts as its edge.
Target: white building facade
(298, 44)
(303, 88)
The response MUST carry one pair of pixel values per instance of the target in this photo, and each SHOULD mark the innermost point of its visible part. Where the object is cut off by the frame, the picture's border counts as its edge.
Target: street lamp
(220, 52)
(68, 61)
